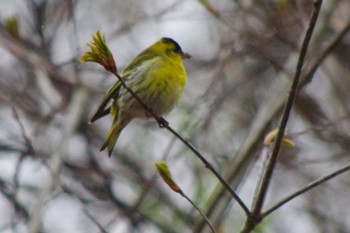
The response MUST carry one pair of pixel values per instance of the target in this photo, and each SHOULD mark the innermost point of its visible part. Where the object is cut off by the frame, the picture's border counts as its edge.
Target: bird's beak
(185, 55)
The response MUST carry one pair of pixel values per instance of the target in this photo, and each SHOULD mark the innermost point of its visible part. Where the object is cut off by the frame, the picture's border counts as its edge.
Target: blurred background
(53, 178)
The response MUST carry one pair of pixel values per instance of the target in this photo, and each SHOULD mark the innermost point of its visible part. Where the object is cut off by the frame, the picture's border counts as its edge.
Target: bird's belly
(161, 98)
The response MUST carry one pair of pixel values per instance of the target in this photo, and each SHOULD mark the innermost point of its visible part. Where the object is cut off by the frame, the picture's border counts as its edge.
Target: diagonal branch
(305, 189)
(19, 208)
(314, 64)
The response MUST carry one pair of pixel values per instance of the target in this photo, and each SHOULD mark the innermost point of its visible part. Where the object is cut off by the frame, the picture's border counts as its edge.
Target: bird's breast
(159, 84)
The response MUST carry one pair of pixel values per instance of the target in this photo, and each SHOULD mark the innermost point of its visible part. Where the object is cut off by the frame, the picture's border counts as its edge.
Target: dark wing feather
(103, 110)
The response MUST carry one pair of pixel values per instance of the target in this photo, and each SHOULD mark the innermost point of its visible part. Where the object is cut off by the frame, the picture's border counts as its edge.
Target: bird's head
(169, 47)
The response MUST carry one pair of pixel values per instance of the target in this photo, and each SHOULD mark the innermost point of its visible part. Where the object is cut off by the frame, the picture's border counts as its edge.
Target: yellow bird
(157, 76)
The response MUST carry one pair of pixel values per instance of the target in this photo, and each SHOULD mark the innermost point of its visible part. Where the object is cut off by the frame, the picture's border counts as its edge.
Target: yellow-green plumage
(157, 76)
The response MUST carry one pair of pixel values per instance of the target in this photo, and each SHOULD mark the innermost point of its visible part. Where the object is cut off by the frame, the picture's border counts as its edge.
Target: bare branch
(267, 176)
(305, 189)
(286, 112)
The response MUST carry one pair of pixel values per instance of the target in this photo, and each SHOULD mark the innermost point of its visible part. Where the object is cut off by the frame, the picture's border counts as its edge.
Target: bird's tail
(113, 135)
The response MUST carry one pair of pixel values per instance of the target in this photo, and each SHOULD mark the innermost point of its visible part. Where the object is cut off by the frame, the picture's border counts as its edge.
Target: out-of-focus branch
(27, 140)
(41, 66)
(316, 62)
(13, 200)
(48, 91)
(27, 55)
(74, 113)
(93, 219)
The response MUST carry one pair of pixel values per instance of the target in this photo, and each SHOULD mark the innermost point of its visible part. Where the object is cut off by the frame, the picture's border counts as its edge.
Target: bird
(157, 76)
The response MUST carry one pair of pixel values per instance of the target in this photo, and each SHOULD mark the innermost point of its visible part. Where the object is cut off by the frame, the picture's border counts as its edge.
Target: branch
(287, 109)
(310, 69)
(165, 174)
(22, 52)
(27, 141)
(199, 210)
(160, 120)
(266, 113)
(19, 208)
(305, 189)
(267, 176)
(92, 218)
(212, 169)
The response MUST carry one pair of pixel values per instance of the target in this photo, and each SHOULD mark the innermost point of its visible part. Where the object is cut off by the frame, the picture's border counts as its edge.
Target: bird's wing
(112, 93)
(137, 62)
(103, 110)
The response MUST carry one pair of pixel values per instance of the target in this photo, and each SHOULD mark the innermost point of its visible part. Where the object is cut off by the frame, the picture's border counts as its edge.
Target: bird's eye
(169, 51)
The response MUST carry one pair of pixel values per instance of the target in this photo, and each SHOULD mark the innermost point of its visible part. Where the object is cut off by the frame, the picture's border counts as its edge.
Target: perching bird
(157, 76)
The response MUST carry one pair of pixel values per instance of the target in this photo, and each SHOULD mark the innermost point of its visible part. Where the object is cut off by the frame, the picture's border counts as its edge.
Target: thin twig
(164, 124)
(199, 210)
(92, 218)
(212, 169)
(305, 189)
(29, 149)
(19, 208)
(27, 140)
